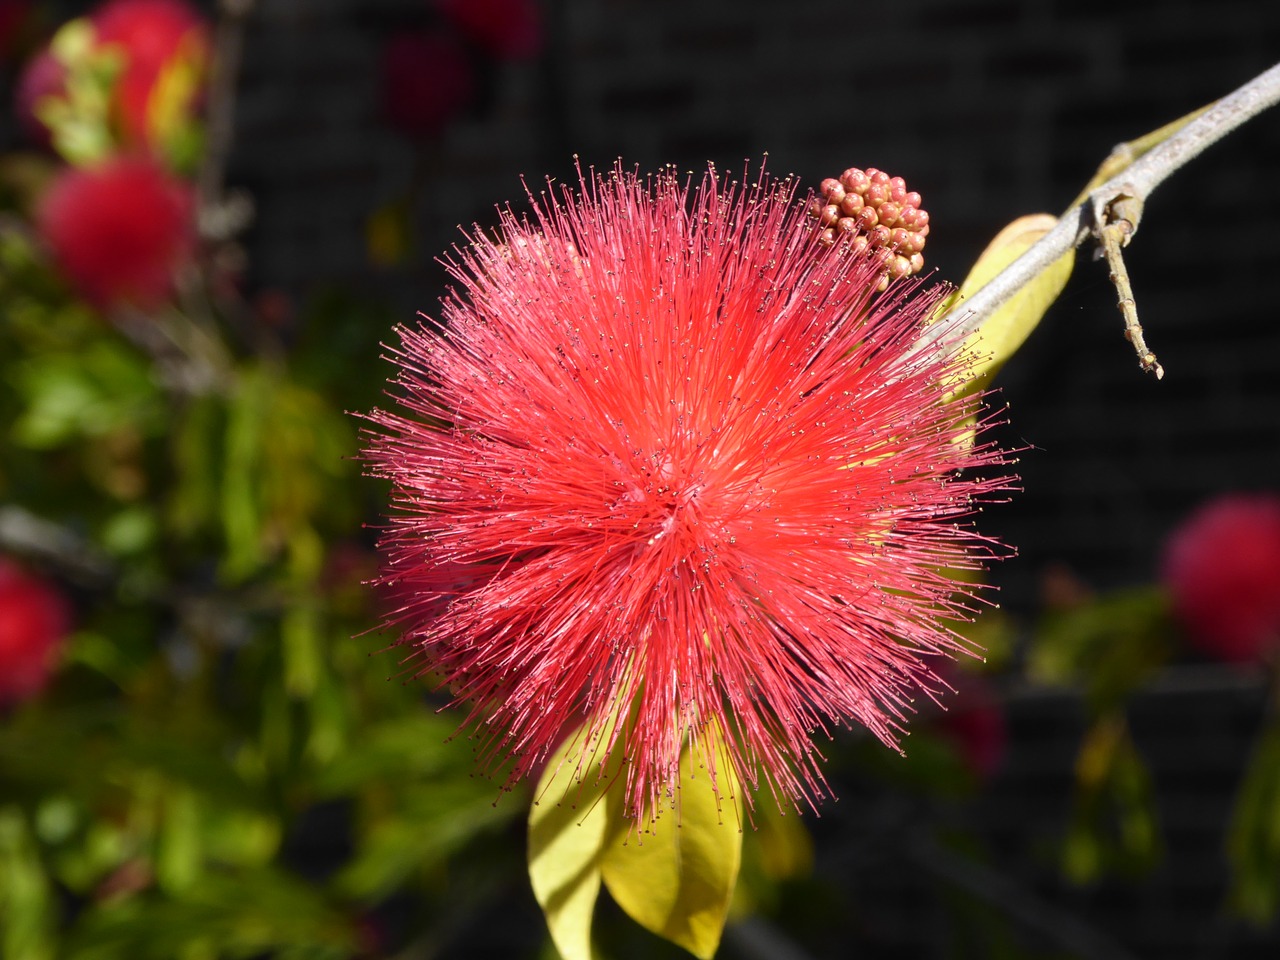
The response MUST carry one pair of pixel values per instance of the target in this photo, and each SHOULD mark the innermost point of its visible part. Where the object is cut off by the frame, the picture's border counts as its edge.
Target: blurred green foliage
(207, 504)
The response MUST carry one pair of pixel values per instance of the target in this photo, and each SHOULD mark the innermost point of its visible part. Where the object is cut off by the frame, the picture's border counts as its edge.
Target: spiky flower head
(670, 466)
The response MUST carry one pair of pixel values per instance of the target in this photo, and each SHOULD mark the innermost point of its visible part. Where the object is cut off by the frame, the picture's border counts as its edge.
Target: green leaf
(1108, 645)
(569, 825)
(26, 896)
(89, 393)
(676, 878)
(1005, 330)
(1253, 842)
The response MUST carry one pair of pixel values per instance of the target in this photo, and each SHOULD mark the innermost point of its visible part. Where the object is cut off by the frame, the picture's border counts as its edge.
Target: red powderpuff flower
(426, 80)
(1222, 571)
(118, 231)
(33, 623)
(153, 35)
(672, 460)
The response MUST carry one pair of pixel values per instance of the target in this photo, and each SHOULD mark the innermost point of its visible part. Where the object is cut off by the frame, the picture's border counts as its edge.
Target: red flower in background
(427, 80)
(164, 47)
(118, 231)
(154, 35)
(974, 722)
(33, 623)
(505, 29)
(1222, 570)
(673, 455)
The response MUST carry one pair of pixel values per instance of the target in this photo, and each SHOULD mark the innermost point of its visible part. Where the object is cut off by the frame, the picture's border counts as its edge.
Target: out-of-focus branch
(1129, 187)
(24, 534)
(221, 217)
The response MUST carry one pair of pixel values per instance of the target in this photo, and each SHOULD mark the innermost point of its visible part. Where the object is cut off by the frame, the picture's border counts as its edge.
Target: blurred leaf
(427, 824)
(389, 234)
(197, 434)
(103, 388)
(285, 450)
(26, 900)
(1005, 330)
(172, 119)
(1113, 822)
(676, 876)
(1108, 645)
(179, 850)
(300, 636)
(1253, 842)
(406, 747)
(249, 914)
(569, 825)
(79, 118)
(130, 531)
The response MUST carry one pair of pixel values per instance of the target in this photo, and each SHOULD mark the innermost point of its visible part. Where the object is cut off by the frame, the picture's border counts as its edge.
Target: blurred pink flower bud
(118, 231)
(1222, 571)
(974, 724)
(34, 619)
(504, 29)
(427, 80)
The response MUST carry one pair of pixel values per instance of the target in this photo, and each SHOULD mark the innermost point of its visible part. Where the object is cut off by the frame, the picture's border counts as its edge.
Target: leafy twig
(1131, 185)
(1121, 222)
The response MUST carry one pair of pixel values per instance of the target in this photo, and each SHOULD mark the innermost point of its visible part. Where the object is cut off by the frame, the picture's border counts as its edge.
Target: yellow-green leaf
(676, 877)
(569, 825)
(1005, 330)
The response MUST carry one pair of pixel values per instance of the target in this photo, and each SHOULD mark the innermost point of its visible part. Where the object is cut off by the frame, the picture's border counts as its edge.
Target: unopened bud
(876, 215)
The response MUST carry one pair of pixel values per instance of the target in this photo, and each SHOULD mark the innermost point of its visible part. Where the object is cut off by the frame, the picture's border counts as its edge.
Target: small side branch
(1117, 224)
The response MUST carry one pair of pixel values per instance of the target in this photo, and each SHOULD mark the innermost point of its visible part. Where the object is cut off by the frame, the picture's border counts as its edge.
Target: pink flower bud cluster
(875, 212)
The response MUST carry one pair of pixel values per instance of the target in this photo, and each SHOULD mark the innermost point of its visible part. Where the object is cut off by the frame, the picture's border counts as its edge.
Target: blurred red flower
(504, 29)
(34, 619)
(673, 458)
(1222, 570)
(118, 231)
(155, 35)
(164, 47)
(426, 80)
